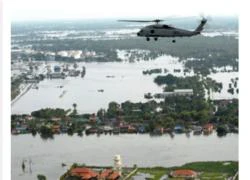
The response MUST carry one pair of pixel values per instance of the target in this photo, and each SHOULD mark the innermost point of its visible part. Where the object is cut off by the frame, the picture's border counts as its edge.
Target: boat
(63, 93)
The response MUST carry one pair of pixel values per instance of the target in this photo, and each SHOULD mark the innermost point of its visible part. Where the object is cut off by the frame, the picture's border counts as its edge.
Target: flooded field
(120, 81)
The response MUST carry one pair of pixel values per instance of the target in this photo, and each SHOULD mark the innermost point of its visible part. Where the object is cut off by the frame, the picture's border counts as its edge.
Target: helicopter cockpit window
(166, 26)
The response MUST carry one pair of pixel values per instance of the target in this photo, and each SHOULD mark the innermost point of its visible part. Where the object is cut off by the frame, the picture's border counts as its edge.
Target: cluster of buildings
(94, 125)
(86, 173)
(115, 173)
(49, 55)
(77, 54)
(90, 174)
(176, 92)
(65, 70)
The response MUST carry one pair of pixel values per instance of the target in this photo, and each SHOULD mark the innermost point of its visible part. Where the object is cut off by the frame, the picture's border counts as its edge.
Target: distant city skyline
(96, 9)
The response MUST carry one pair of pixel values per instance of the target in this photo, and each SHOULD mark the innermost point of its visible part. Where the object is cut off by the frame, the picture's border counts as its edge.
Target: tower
(118, 164)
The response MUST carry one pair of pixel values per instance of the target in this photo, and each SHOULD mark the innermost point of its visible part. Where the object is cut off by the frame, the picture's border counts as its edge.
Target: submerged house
(56, 129)
(208, 127)
(179, 129)
(128, 129)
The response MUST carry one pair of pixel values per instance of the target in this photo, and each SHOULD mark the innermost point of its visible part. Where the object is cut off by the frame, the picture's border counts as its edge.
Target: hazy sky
(71, 9)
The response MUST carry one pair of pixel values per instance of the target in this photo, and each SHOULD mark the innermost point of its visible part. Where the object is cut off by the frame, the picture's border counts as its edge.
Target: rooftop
(183, 173)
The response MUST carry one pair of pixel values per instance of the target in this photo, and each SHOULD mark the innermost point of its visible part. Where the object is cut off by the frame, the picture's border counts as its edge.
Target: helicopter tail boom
(201, 25)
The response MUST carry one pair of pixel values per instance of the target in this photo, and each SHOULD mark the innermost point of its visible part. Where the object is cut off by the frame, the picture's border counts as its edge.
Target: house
(141, 129)
(159, 130)
(20, 129)
(197, 130)
(127, 129)
(91, 130)
(84, 173)
(56, 129)
(183, 173)
(93, 118)
(178, 129)
(29, 118)
(176, 92)
(107, 129)
(208, 127)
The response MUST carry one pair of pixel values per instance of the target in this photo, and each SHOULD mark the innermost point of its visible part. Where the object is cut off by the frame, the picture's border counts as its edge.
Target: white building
(176, 92)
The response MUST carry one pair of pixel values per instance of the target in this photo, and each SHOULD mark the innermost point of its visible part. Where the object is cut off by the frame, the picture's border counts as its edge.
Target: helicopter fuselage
(163, 30)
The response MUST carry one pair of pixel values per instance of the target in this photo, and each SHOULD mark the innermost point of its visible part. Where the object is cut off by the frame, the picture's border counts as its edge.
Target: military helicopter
(163, 30)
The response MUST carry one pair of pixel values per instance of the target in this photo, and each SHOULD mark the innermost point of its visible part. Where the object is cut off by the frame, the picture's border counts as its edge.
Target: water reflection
(47, 136)
(151, 135)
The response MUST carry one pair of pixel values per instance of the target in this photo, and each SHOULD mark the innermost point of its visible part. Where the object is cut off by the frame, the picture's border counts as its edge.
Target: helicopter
(163, 30)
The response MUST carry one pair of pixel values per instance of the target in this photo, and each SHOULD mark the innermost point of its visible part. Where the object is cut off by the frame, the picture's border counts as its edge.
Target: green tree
(113, 109)
(41, 177)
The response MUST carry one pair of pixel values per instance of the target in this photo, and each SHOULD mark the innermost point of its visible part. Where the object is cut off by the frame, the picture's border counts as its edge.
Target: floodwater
(120, 81)
(46, 156)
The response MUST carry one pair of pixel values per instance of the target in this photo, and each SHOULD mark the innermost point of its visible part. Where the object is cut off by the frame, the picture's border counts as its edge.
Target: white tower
(118, 164)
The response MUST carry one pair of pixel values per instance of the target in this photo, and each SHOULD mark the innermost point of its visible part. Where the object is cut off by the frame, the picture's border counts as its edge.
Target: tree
(113, 109)
(101, 113)
(46, 132)
(41, 177)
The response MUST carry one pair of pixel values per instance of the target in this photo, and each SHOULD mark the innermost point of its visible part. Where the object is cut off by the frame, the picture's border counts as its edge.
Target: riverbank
(203, 170)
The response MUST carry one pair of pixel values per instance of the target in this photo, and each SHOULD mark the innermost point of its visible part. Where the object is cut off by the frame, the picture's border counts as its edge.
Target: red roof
(114, 176)
(183, 173)
(85, 173)
(104, 174)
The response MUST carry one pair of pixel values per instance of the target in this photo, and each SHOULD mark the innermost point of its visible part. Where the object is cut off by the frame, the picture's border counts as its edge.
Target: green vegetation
(207, 170)
(41, 177)
(49, 113)
(156, 172)
(229, 167)
(228, 112)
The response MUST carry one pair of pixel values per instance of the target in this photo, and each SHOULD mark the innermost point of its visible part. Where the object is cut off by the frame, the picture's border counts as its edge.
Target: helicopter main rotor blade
(143, 21)
(134, 20)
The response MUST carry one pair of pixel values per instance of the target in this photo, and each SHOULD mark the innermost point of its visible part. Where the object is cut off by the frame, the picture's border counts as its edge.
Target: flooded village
(90, 102)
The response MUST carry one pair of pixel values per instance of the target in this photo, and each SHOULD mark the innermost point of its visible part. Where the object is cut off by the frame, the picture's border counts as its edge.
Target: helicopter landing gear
(155, 38)
(148, 39)
(173, 41)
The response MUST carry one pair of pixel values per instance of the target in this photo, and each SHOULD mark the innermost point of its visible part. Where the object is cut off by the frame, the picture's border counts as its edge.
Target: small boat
(63, 93)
